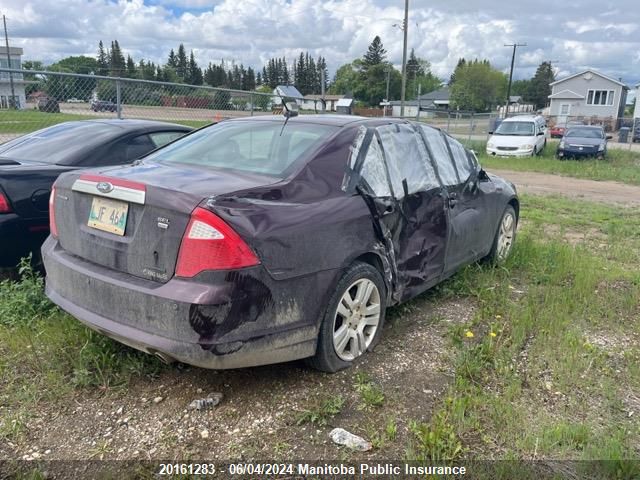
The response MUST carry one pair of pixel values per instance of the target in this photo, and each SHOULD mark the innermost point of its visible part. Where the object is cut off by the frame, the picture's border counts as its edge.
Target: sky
(604, 35)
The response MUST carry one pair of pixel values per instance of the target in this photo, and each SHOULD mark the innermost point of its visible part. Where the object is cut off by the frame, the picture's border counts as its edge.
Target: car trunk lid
(133, 219)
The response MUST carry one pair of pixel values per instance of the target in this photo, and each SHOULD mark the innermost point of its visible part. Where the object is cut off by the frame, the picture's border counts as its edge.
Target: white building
(636, 112)
(19, 96)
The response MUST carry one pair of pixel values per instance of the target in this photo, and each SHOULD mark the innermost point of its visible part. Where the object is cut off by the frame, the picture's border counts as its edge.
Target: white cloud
(251, 31)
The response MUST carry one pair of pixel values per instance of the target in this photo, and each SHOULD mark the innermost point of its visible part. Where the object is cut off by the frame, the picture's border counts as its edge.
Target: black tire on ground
(493, 256)
(326, 359)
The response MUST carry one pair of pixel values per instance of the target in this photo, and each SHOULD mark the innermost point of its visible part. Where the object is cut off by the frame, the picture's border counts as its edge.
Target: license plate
(108, 215)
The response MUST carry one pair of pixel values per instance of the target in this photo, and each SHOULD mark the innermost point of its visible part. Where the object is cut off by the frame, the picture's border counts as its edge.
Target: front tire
(353, 321)
(504, 238)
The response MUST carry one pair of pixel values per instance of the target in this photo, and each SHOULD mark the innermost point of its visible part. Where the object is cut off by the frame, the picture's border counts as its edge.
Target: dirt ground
(259, 416)
(591, 190)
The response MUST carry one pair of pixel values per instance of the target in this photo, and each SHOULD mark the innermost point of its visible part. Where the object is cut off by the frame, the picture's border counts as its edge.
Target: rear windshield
(516, 128)
(585, 133)
(58, 144)
(250, 146)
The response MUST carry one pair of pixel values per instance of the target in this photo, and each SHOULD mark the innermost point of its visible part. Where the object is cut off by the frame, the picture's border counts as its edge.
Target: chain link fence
(31, 100)
(468, 127)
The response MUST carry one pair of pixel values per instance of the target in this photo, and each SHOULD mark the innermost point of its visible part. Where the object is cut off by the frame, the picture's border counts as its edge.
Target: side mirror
(609, 137)
(490, 132)
(483, 176)
(540, 133)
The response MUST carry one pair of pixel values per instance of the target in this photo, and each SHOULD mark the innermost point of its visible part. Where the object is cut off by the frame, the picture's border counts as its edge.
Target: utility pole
(513, 59)
(12, 102)
(405, 27)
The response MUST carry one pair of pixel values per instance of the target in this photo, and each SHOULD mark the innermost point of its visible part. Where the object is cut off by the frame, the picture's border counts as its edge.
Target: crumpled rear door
(393, 173)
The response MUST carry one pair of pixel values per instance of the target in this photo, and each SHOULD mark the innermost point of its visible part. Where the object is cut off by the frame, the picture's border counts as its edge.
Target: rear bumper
(236, 321)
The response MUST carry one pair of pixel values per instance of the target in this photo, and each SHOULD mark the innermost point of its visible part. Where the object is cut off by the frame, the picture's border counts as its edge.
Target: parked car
(520, 136)
(255, 241)
(75, 100)
(583, 141)
(48, 104)
(103, 106)
(558, 130)
(30, 164)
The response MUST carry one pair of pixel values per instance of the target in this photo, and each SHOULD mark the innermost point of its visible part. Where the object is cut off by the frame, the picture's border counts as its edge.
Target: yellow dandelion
(498, 317)
(469, 334)
(493, 334)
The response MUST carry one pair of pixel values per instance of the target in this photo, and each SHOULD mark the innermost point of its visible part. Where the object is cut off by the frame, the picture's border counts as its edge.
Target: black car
(47, 104)
(256, 241)
(31, 163)
(583, 141)
(103, 106)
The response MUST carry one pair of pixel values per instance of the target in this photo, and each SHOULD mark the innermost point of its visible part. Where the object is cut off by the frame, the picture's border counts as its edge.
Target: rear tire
(504, 238)
(352, 323)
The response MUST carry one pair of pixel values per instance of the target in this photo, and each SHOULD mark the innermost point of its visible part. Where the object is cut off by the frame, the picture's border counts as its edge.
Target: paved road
(596, 191)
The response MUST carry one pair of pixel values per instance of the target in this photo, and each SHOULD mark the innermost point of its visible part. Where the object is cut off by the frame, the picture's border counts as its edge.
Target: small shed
(345, 106)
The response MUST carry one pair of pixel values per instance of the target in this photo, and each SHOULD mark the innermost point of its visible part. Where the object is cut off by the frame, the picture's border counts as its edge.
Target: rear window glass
(60, 143)
(251, 146)
(160, 139)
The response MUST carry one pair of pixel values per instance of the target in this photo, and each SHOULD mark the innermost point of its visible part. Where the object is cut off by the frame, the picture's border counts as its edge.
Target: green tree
(102, 60)
(540, 89)
(478, 87)
(181, 63)
(35, 82)
(194, 72)
(375, 55)
(63, 88)
(117, 63)
(461, 64)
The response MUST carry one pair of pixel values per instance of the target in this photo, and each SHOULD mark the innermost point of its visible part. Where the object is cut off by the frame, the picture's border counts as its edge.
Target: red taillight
(52, 213)
(4, 204)
(210, 244)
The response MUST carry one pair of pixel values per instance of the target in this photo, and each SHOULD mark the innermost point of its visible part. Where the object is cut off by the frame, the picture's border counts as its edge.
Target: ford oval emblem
(104, 187)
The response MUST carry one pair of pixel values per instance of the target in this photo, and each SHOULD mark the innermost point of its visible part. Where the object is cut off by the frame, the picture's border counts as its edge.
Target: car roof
(591, 127)
(133, 123)
(522, 118)
(319, 119)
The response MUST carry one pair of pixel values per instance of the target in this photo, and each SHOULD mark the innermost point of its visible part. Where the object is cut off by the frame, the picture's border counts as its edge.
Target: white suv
(521, 136)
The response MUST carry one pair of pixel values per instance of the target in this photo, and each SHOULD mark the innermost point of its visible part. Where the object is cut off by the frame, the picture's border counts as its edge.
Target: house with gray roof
(587, 94)
(437, 99)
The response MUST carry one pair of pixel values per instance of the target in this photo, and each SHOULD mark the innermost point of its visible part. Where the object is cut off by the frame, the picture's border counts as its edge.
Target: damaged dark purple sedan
(254, 241)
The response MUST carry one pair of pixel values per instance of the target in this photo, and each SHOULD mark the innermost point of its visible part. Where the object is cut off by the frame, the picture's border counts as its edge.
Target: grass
(371, 394)
(25, 121)
(322, 411)
(619, 165)
(45, 354)
(552, 359)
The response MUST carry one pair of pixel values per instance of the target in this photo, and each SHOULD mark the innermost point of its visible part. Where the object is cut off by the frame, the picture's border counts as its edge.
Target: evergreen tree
(172, 61)
(103, 60)
(131, 67)
(194, 73)
(461, 64)
(540, 88)
(376, 54)
(181, 62)
(117, 62)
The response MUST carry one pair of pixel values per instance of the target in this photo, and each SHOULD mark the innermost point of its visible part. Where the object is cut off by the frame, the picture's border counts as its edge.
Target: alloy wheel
(357, 319)
(505, 238)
